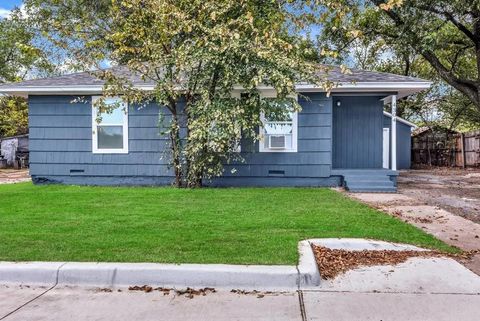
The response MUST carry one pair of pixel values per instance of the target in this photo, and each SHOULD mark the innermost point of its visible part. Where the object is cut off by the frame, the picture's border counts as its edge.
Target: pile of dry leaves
(333, 262)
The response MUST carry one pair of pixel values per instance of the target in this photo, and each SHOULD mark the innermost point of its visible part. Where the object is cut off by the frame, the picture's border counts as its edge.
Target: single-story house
(336, 139)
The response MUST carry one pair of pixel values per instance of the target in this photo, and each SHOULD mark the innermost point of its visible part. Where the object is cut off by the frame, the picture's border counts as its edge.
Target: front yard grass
(148, 224)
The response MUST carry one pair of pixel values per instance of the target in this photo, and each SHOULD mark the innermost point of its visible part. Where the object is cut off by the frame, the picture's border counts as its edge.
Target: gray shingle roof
(76, 79)
(83, 79)
(356, 75)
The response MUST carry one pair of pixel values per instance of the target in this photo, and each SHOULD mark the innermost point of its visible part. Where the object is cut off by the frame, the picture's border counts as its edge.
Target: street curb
(30, 272)
(182, 275)
(280, 277)
(307, 267)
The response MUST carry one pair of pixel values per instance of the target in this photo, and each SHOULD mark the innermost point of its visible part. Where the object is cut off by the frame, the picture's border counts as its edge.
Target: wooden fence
(468, 147)
(447, 149)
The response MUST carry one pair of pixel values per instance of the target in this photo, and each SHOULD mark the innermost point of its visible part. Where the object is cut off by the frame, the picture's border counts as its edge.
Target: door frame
(386, 148)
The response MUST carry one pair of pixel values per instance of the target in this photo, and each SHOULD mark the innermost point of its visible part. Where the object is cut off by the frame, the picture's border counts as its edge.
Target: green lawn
(238, 226)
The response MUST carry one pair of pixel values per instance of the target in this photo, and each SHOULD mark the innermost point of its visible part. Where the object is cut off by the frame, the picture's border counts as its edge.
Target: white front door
(386, 148)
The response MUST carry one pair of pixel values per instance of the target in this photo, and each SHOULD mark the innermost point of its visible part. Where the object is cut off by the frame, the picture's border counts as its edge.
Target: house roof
(89, 82)
(335, 74)
(14, 136)
(437, 128)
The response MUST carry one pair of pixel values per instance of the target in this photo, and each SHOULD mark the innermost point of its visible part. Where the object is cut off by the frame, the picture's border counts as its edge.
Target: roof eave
(403, 88)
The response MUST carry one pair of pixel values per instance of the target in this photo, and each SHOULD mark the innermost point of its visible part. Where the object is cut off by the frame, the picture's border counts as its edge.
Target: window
(279, 136)
(110, 134)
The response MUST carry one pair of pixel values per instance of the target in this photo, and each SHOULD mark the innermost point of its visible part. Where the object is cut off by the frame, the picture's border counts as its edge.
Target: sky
(7, 5)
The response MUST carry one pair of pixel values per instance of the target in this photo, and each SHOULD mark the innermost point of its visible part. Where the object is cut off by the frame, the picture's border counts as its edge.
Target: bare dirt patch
(444, 202)
(454, 190)
(333, 262)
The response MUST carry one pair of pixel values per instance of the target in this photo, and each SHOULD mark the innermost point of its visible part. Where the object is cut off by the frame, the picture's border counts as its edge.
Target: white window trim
(95, 149)
(294, 149)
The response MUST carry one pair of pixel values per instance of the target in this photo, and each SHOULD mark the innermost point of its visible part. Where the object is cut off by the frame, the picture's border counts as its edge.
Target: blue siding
(313, 159)
(357, 132)
(404, 142)
(61, 146)
(61, 143)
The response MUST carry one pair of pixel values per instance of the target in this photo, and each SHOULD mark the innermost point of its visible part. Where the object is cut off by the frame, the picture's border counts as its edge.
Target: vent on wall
(77, 171)
(276, 173)
(277, 141)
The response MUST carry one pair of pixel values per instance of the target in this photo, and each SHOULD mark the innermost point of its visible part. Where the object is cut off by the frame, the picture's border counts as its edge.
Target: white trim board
(406, 122)
(403, 88)
(95, 125)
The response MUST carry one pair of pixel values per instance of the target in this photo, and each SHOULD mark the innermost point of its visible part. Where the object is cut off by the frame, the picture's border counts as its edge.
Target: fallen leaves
(332, 262)
(259, 294)
(106, 290)
(423, 220)
(188, 292)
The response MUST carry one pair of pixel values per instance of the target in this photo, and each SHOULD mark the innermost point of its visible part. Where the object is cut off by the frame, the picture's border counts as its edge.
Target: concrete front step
(368, 183)
(364, 172)
(368, 179)
(374, 182)
(372, 189)
(384, 187)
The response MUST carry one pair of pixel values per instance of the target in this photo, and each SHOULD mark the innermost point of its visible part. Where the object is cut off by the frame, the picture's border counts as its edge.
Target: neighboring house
(12, 148)
(336, 139)
(434, 146)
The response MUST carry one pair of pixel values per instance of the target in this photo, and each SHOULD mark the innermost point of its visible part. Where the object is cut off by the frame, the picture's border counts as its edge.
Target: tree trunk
(175, 142)
(176, 151)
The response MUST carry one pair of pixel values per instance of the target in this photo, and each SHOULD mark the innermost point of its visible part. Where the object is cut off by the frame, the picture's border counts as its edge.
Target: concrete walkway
(23, 304)
(450, 228)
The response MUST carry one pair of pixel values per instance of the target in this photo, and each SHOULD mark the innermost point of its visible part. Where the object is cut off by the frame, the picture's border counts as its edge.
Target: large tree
(195, 52)
(20, 56)
(445, 33)
(360, 42)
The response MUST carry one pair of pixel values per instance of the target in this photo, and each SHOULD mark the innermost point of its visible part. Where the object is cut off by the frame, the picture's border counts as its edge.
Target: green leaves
(19, 57)
(13, 116)
(436, 40)
(202, 52)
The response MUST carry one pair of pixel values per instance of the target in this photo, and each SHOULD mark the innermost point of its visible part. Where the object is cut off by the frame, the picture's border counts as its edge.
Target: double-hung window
(279, 136)
(110, 128)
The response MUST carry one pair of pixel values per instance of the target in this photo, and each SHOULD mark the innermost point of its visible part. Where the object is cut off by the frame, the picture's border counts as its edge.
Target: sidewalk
(90, 304)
